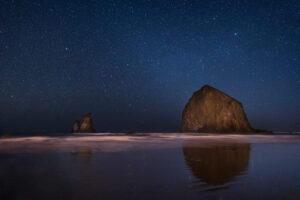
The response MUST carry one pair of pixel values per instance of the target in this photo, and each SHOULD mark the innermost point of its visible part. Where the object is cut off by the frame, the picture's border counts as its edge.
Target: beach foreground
(150, 166)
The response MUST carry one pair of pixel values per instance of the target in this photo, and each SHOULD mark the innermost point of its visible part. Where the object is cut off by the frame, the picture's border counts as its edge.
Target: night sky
(135, 64)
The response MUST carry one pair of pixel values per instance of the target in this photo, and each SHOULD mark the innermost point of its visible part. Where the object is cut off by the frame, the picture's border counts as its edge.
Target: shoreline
(118, 143)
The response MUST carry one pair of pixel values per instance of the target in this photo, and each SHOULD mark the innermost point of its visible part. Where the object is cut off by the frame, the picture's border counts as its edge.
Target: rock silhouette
(87, 124)
(210, 110)
(76, 126)
(217, 164)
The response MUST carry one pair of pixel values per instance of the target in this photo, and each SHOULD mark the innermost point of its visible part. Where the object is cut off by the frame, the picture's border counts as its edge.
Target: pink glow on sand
(116, 143)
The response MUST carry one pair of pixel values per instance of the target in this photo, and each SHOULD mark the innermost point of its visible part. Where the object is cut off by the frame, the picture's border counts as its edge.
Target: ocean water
(150, 166)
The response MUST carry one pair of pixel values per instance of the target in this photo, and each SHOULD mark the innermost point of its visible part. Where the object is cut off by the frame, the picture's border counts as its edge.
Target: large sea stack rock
(76, 126)
(210, 110)
(87, 124)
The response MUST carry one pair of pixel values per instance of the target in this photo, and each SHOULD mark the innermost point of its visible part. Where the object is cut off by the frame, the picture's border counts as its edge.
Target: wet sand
(109, 142)
(150, 166)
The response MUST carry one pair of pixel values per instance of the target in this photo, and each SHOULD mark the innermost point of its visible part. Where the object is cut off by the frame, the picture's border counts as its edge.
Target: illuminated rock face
(87, 124)
(75, 126)
(217, 164)
(210, 110)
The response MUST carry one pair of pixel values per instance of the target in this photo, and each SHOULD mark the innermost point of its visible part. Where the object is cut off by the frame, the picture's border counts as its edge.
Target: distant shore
(108, 142)
(21, 134)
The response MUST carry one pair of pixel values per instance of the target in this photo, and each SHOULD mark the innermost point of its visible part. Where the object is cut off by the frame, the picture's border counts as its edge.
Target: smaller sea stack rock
(76, 126)
(87, 124)
(210, 110)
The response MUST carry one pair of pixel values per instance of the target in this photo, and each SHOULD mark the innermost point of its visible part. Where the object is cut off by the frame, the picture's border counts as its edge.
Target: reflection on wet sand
(217, 164)
(84, 154)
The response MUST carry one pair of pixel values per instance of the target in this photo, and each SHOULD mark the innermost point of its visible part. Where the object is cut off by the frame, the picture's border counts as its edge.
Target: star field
(134, 64)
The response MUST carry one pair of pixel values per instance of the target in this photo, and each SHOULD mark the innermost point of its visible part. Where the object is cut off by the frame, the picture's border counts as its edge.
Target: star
(103, 56)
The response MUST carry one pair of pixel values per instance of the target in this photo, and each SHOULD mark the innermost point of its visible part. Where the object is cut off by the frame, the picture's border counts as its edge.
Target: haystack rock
(87, 124)
(76, 126)
(210, 110)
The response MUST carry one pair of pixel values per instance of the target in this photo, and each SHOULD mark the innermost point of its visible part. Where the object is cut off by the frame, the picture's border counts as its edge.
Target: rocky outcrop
(76, 126)
(87, 124)
(210, 110)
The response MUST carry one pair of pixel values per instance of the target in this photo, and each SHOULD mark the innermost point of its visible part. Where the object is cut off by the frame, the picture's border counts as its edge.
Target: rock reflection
(217, 164)
(84, 154)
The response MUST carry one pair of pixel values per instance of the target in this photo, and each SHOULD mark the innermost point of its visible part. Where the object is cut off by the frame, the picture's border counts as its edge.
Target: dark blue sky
(134, 64)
